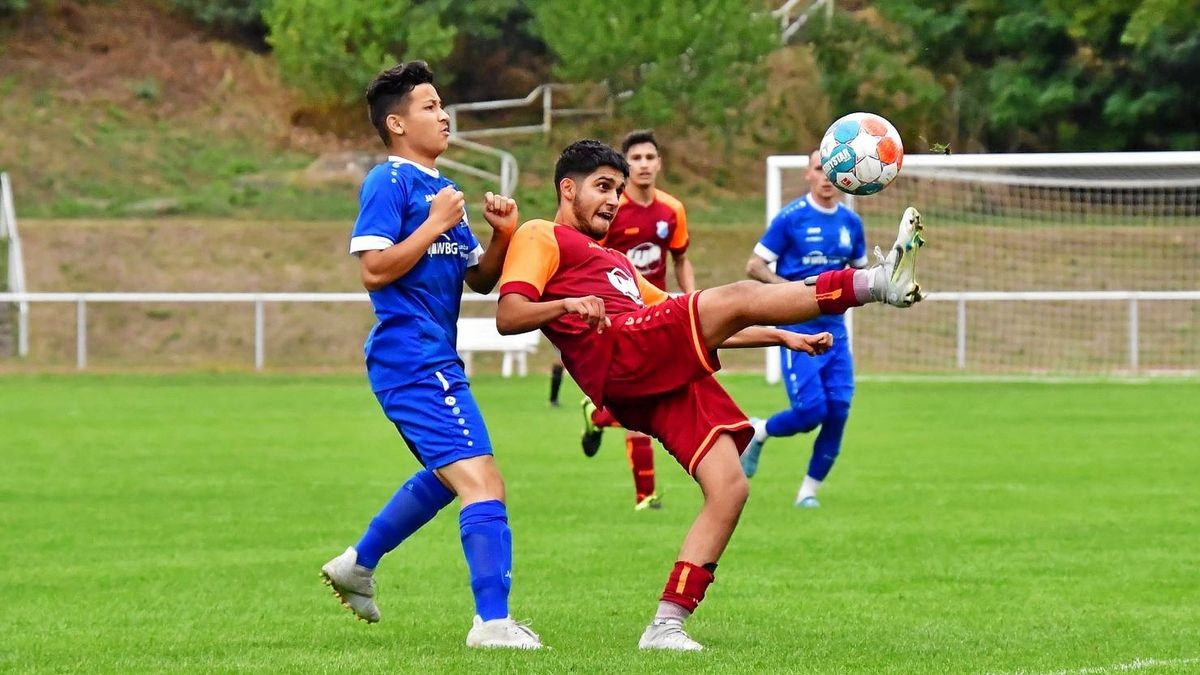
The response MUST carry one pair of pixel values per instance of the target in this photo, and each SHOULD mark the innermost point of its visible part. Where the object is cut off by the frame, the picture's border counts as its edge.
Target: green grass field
(176, 523)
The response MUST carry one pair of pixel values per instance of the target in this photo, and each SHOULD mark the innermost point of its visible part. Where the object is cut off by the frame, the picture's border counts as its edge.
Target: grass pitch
(177, 523)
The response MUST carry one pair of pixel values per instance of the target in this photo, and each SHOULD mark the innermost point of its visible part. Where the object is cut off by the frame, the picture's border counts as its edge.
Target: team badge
(844, 238)
(663, 228)
(621, 281)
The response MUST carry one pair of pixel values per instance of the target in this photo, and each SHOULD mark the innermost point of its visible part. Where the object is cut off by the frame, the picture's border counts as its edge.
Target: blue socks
(413, 505)
(487, 543)
(829, 440)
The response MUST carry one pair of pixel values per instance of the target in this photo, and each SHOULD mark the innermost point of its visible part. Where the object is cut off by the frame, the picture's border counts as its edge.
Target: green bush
(330, 49)
(235, 14)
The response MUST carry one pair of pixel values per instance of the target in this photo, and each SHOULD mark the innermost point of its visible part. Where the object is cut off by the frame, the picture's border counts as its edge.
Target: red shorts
(660, 382)
(657, 349)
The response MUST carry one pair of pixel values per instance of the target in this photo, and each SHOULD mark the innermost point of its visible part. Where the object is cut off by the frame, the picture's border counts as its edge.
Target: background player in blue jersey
(810, 235)
(416, 249)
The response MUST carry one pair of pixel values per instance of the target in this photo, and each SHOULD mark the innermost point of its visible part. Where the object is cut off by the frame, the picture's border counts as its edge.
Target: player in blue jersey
(811, 235)
(415, 250)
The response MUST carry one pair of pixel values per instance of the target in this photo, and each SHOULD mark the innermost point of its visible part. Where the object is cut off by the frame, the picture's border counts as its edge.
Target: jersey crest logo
(645, 257)
(626, 284)
(662, 228)
(844, 238)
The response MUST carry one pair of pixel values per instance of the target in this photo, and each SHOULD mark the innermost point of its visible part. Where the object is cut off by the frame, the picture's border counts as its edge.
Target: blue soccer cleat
(809, 502)
(752, 452)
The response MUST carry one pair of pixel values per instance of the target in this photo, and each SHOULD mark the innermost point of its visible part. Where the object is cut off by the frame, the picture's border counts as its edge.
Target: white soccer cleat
(896, 281)
(502, 633)
(352, 584)
(668, 635)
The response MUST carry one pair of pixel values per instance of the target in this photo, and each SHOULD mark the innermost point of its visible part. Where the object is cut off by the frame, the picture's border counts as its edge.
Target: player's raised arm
(382, 267)
(501, 213)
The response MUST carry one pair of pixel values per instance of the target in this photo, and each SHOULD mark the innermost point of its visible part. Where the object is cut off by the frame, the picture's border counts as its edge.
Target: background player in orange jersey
(649, 224)
(650, 358)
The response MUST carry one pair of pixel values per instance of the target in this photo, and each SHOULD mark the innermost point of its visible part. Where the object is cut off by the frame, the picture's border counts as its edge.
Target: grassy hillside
(122, 109)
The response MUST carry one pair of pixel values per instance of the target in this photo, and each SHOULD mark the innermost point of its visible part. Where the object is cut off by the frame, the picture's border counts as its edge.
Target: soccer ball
(861, 153)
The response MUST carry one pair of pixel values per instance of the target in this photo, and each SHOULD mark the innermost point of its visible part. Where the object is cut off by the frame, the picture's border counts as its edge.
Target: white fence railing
(773, 367)
(16, 261)
(259, 300)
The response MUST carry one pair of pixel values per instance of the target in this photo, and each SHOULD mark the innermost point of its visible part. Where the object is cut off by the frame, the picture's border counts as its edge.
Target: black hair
(636, 137)
(389, 88)
(583, 157)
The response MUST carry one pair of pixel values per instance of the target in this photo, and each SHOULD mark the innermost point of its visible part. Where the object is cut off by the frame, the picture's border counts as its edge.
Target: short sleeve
(679, 241)
(651, 294)
(774, 242)
(858, 251)
(531, 260)
(379, 214)
(474, 248)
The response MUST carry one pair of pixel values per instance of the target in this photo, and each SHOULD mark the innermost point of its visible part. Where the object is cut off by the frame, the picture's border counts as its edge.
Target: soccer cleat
(651, 501)
(592, 434)
(752, 452)
(896, 284)
(503, 633)
(668, 635)
(352, 584)
(809, 502)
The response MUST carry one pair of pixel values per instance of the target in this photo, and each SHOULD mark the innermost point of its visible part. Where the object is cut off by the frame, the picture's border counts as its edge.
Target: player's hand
(447, 208)
(809, 344)
(500, 212)
(590, 309)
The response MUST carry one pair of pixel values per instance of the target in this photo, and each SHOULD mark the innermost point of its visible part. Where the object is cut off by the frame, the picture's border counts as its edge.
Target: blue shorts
(811, 379)
(438, 418)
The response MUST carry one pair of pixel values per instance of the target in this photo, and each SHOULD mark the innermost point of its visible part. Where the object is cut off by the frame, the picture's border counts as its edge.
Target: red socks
(602, 418)
(836, 292)
(687, 584)
(641, 460)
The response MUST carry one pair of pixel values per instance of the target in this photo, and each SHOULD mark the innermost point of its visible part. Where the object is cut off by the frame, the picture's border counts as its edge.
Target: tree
(1022, 74)
(696, 61)
(330, 49)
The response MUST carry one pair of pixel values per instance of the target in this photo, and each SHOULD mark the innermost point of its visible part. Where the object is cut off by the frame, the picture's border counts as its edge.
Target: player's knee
(837, 412)
(733, 491)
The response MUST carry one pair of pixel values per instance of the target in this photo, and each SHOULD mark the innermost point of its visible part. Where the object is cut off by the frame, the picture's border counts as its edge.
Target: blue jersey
(804, 240)
(417, 313)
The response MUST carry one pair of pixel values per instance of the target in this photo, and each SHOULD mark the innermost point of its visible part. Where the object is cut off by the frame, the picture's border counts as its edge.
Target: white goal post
(1050, 263)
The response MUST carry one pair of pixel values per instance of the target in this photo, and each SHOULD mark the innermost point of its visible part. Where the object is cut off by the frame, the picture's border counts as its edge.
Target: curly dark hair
(581, 158)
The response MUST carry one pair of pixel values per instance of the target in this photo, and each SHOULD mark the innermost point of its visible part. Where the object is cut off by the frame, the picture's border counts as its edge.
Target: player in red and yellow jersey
(649, 224)
(650, 358)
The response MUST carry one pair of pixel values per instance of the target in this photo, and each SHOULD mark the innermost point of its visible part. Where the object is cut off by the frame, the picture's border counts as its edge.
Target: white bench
(480, 335)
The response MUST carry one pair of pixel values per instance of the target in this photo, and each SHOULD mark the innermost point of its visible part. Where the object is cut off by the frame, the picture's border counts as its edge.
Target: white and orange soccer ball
(861, 153)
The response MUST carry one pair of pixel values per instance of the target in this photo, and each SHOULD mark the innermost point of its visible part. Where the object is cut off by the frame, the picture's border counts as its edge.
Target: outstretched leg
(727, 309)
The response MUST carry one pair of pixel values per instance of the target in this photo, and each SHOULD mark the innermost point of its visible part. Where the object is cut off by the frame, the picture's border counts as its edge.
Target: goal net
(1071, 264)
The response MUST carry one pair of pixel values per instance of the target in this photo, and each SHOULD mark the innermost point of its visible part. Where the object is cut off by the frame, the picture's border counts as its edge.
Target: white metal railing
(16, 262)
(773, 372)
(259, 300)
(545, 92)
(789, 25)
(506, 177)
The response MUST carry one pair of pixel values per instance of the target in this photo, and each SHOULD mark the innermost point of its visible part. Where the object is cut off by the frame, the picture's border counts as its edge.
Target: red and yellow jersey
(644, 233)
(547, 261)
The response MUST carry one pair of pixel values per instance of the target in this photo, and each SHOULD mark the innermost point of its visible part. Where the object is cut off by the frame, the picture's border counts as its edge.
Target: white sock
(808, 488)
(760, 431)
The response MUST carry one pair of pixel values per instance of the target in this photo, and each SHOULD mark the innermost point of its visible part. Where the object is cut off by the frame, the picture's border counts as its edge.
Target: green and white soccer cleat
(502, 633)
(668, 635)
(651, 501)
(352, 584)
(590, 439)
(895, 283)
